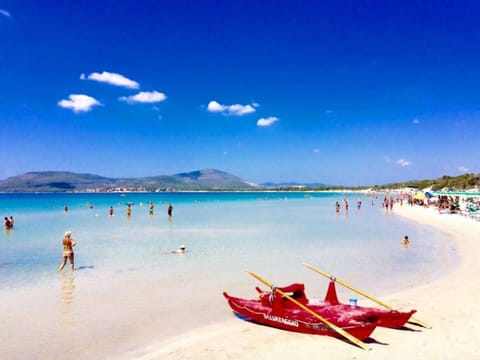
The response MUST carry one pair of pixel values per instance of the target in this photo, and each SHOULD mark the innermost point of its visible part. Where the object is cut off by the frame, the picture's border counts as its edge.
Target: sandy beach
(450, 304)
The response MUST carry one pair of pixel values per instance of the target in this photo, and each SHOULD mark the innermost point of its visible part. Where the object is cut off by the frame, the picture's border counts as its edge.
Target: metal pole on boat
(331, 277)
(332, 326)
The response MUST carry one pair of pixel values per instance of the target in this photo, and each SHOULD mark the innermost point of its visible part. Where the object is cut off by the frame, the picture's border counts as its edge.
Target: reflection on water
(67, 287)
(8, 231)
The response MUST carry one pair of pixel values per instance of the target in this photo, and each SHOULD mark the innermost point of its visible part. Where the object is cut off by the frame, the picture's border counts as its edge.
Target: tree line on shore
(446, 182)
(462, 182)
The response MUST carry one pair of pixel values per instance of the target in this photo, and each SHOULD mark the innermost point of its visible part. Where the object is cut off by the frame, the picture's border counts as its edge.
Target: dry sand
(450, 304)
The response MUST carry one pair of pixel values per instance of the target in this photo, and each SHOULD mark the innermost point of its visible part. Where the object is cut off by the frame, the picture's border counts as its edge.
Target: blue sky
(338, 92)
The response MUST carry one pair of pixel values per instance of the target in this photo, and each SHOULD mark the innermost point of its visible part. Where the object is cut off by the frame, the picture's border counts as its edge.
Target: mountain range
(61, 181)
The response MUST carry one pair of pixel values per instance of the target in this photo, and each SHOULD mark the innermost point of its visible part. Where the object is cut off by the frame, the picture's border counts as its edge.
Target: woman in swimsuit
(68, 244)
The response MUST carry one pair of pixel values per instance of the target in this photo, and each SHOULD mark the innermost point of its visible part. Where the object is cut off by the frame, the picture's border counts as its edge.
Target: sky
(334, 92)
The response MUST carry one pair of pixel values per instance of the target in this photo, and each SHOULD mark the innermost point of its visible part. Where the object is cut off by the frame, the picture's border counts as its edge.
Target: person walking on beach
(170, 209)
(110, 211)
(150, 208)
(68, 244)
(129, 210)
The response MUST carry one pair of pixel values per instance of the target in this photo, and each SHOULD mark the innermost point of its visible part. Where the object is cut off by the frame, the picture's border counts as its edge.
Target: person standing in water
(8, 225)
(169, 209)
(68, 244)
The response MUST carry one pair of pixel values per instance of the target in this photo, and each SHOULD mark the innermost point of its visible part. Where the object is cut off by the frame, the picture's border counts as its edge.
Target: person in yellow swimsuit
(68, 244)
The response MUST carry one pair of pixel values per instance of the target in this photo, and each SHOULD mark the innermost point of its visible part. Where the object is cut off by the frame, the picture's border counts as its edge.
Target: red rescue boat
(276, 310)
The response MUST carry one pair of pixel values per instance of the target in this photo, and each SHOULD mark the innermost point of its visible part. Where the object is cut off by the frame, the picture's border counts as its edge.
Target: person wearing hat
(68, 244)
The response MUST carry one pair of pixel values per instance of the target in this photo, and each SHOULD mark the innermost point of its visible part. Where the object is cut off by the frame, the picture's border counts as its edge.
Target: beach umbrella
(419, 196)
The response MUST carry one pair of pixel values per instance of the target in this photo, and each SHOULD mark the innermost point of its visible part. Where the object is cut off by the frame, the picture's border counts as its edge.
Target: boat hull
(384, 318)
(297, 319)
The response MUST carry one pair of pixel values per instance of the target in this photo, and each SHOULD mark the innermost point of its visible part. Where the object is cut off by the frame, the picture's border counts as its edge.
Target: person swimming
(180, 250)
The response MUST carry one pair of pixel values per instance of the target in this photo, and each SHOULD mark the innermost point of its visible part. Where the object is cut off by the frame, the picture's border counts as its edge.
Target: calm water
(263, 230)
(125, 266)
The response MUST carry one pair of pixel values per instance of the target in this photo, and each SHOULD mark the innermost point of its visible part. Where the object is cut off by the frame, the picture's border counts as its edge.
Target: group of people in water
(346, 205)
(151, 207)
(68, 243)
(387, 204)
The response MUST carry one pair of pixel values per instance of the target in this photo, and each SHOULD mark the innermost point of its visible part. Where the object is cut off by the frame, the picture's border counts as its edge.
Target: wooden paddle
(331, 277)
(332, 326)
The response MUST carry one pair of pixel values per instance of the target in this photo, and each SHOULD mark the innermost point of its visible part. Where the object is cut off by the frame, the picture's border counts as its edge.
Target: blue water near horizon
(270, 231)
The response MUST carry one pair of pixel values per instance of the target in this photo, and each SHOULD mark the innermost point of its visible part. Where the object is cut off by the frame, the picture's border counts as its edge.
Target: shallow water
(129, 289)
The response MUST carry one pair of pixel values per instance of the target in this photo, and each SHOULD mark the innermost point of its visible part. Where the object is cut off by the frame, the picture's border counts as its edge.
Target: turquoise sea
(125, 265)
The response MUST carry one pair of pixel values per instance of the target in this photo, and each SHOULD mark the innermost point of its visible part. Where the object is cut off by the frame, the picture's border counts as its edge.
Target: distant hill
(60, 181)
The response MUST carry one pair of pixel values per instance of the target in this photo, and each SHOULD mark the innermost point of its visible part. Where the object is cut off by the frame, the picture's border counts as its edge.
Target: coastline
(449, 304)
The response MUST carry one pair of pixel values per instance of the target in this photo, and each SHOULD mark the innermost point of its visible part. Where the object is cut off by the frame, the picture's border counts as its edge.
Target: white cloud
(329, 112)
(236, 109)
(403, 162)
(214, 106)
(112, 78)
(463, 169)
(416, 121)
(267, 121)
(5, 13)
(79, 103)
(144, 97)
(316, 151)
